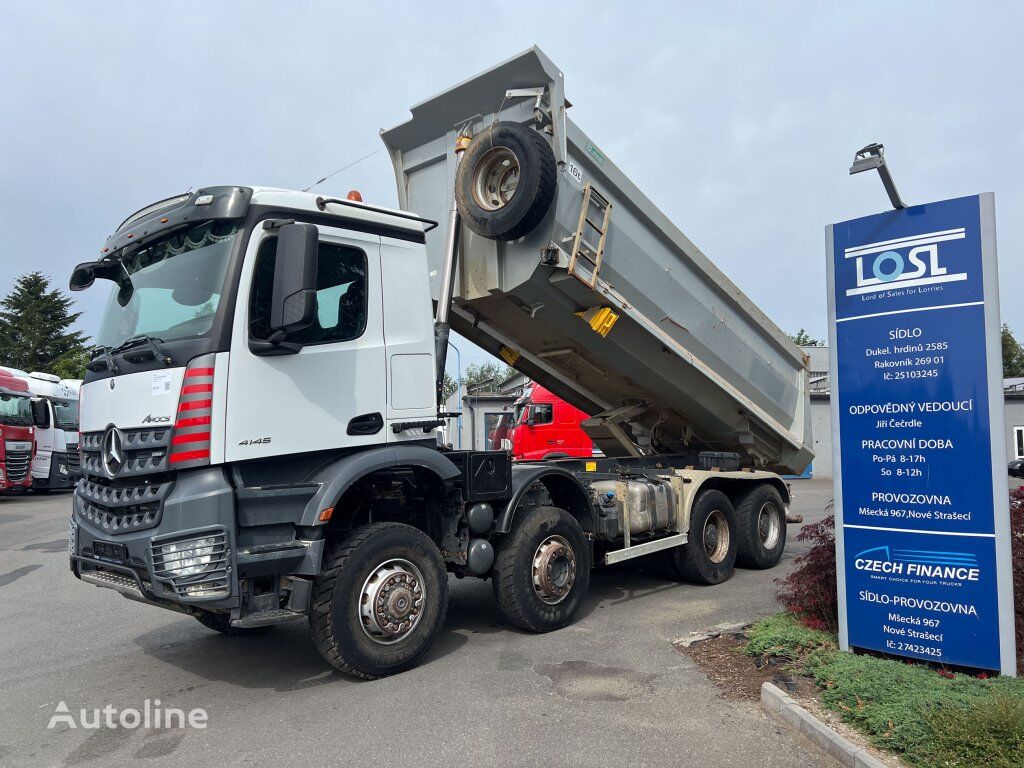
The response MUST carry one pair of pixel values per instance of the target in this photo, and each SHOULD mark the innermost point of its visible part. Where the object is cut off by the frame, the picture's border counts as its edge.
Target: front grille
(17, 465)
(74, 460)
(145, 452)
(119, 508)
(178, 562)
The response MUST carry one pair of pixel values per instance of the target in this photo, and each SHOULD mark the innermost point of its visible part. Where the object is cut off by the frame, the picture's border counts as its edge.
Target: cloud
(738, 120)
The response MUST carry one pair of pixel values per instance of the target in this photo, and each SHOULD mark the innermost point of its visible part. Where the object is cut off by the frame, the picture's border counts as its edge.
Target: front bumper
(198, 507)
(136, 540)
(64, 473)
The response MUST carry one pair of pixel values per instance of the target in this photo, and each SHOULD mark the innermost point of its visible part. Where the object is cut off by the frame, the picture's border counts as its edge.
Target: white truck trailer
(260, 419)
(55, 464)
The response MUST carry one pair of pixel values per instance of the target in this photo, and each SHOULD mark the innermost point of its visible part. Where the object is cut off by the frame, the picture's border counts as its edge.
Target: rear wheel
(379, 601)
(709, 557)
(542, 570)
(760, 528)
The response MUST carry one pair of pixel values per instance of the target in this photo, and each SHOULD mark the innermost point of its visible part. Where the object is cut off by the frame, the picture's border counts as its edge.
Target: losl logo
(903, 262)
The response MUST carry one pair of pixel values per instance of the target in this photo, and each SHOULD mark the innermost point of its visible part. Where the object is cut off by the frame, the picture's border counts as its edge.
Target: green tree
(478, 373)
(803, 339)
(35, 329)
(491, 374)
(1013, 354)
(449, 386)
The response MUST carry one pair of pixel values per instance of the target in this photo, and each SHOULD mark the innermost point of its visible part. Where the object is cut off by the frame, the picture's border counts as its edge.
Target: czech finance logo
(922, 563)
(902, 263)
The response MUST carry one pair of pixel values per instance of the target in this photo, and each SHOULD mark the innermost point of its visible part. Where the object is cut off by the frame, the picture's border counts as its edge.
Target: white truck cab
(55, 415)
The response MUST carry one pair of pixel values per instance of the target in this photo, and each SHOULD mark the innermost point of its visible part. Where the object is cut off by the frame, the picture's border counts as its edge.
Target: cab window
(340, 294)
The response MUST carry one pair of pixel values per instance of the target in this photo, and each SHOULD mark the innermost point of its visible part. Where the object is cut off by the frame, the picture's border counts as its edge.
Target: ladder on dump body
(584, 253)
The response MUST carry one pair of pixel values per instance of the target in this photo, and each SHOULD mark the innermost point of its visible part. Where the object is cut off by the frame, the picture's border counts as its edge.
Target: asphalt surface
(609, 690)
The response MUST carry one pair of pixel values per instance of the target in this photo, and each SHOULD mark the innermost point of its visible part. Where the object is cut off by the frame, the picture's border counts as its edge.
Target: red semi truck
(17, 438)
(547, 427)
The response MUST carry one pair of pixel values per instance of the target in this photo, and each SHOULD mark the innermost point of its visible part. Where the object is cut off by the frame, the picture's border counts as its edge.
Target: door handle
(367, 424)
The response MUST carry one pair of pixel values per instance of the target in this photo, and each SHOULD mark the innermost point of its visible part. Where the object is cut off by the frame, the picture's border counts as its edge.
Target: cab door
(46, 430)
(330, 394)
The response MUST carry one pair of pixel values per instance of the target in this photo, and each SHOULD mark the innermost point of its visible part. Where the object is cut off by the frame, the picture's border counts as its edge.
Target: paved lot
(609, 690)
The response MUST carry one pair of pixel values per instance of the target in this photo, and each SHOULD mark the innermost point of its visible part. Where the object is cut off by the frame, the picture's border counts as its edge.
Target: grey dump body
(691, 361)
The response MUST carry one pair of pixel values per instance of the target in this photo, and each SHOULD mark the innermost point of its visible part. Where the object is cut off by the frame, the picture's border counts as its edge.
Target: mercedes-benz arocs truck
(260, 417)
(55, 416)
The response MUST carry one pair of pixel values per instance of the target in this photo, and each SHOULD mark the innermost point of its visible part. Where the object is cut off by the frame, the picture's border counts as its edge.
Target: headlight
(187, 558)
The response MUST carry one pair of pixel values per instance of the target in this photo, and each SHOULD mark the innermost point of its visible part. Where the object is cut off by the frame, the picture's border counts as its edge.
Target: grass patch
(782, 635)
(953, 721)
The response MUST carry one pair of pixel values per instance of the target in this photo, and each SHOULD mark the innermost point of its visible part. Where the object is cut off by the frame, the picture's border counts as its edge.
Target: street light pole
(872, 157)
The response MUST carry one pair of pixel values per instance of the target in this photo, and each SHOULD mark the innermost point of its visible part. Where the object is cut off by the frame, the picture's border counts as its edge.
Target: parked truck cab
(259, 420)
(17, 437)
(55, 417)
(547, 427)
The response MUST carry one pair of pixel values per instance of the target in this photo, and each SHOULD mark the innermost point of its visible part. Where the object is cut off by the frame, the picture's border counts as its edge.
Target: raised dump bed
(682, 361)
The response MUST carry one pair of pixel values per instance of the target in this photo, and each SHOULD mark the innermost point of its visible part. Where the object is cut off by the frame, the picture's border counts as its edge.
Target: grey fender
(338, 476)
(565, 489)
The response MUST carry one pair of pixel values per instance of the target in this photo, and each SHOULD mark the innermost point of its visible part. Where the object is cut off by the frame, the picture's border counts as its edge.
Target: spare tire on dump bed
(506, 181)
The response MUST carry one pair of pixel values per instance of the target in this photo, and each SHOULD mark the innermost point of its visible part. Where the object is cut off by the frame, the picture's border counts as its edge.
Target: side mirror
(83, 276)
(41, 414)
(293, 303)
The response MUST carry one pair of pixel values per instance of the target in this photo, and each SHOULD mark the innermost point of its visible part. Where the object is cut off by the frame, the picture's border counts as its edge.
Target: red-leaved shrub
(809, 592)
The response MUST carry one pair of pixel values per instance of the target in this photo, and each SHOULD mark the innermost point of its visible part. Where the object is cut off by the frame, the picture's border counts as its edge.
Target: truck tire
(542, 570)
(221, 622)
(379, 601)
(709, 557)
(760, 527)
(506, 181)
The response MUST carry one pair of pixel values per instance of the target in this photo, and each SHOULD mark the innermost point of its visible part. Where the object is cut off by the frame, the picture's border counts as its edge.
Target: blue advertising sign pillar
(922, 514)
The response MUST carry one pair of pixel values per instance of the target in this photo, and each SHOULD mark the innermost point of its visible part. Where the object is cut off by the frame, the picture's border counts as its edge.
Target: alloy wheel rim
(496, 179)
(391, 601)
(716, 536)
(554, 570)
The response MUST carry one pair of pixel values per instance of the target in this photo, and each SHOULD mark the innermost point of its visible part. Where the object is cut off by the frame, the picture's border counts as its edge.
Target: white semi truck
(55, 464)
(260, 419)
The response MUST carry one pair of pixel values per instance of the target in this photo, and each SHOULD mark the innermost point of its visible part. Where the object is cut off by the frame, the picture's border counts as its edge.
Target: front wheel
(542, 570)
(379, 601)
(709, 557)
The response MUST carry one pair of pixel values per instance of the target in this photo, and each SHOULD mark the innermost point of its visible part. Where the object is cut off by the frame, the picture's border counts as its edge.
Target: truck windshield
(66, 414)
(170, 289)
(15, 411)
(520, 411)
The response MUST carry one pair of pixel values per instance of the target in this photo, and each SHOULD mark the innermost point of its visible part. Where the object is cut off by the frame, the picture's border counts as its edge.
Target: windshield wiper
(152, 341)
(101, 359)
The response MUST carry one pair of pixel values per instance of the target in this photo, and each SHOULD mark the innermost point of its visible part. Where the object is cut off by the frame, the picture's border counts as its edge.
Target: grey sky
(738, 120)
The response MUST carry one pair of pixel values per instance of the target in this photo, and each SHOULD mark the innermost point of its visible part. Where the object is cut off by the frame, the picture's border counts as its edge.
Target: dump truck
(260, 418)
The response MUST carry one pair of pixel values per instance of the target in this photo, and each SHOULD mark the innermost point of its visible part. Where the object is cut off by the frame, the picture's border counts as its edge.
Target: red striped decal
(191, 372)
(189, 455)
(191, 389)
(192, 421)
(195, 405)
(195, 437)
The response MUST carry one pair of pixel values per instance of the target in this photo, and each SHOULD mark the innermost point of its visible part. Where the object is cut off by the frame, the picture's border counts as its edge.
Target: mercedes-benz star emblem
(112, 452)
